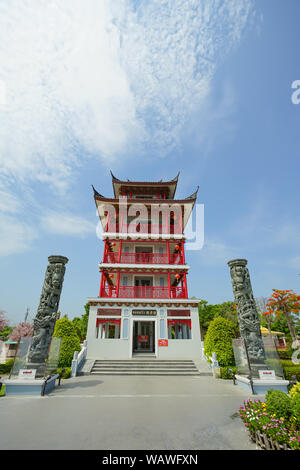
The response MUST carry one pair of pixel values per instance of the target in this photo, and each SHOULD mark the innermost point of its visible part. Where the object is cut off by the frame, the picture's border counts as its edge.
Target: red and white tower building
(143, 304)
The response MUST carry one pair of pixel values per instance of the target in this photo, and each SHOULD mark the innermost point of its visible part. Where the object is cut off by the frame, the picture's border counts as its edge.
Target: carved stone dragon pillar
(44, 321)
(249, 323)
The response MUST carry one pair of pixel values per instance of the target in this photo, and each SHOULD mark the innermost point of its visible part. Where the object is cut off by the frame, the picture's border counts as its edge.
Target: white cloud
(9, 202)
(216, 253)
(98, 79)
(104, 77)
(15, 236)
(67, 224)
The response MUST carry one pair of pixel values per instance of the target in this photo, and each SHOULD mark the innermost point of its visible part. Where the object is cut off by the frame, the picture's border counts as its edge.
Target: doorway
(143, 337)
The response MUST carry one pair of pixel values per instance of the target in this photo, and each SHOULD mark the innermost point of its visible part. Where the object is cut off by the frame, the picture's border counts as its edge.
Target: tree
(3, 321)
(208, 312)
(85, 319)
(78, 325)
(5, 329)
(21, 330)
(287, 304)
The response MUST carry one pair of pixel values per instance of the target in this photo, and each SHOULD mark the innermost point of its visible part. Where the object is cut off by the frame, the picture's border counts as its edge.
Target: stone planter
(266, 442)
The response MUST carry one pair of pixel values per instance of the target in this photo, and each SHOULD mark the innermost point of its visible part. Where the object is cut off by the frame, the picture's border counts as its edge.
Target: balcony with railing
(144, 228)
(143, 292)
(112, 257)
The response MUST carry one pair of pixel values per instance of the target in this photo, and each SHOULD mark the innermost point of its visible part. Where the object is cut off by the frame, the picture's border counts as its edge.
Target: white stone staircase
(145, 365)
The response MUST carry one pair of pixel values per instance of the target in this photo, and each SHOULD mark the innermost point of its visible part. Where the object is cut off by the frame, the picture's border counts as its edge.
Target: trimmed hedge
(218, 339)
(225, 374)
(290, 369)
(5, 368)
(70, 341)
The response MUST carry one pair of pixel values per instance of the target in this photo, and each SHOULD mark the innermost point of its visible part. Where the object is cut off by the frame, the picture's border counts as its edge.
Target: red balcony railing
(143, 292)
(144, 228)
(143, 258)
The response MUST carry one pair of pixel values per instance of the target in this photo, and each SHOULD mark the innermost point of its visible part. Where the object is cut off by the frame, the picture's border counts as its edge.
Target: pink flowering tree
(21, 330)
(3, 321)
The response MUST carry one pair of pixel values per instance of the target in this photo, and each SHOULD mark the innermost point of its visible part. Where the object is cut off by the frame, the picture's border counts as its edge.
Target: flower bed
(268, 429)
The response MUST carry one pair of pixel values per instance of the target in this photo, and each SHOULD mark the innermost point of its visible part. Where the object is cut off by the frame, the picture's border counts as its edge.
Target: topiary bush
(279, 404)
(70, 341)
(218, 339)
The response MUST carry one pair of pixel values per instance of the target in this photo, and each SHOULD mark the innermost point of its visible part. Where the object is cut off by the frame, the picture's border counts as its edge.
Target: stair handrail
(79, 359)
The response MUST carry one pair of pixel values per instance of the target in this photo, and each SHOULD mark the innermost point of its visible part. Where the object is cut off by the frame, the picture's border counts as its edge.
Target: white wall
(122, 348)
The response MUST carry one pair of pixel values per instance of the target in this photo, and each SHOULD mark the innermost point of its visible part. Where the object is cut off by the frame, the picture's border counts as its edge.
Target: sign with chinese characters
(27, 374)
(143, 338)
(163, 342)
(267, 374)
(144, 312)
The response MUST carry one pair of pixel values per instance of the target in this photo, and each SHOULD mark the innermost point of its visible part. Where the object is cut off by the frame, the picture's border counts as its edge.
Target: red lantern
(177, 276)
(111, 276)
(113, 244)
(177, 247)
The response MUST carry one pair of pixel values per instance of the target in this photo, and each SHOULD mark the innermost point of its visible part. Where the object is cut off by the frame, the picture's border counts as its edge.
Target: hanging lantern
(113, 244)
(177, 247)
(111, 276)
(177, 276)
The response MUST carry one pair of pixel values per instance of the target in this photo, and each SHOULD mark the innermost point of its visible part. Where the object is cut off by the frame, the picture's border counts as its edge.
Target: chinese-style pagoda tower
(143, 304)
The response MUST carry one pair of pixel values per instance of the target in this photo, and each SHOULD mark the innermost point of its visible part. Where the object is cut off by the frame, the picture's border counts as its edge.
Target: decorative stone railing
(79, 359)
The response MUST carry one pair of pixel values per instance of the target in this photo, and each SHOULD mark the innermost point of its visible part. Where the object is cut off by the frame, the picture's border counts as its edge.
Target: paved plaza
(128, 412)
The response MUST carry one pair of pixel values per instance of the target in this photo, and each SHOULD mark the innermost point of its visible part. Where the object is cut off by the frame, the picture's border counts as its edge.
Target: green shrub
(70, 341)
(67, 372)
(218, 339)
(295, 390)
(279, 403)
(296, 409)
(225, 374)
(5, 368)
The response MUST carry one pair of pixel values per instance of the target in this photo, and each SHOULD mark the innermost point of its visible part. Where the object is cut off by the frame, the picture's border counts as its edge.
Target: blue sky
(147, 89)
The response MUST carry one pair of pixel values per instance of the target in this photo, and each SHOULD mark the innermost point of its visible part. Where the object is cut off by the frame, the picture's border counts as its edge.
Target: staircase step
(142, 366)
(166, 373)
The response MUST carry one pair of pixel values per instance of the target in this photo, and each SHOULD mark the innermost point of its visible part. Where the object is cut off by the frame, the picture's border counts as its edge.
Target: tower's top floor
(145, 190)
(152, 202)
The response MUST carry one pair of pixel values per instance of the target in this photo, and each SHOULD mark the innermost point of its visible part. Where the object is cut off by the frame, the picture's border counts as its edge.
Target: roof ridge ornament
(174, 180)
(113, 176)
(194, 195)
(96, 192)
(176, 177)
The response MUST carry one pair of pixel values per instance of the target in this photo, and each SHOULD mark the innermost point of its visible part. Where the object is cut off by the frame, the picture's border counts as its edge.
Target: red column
(185, 286)
(101, 284)
(169, 284)
(118, 284)
(168, 251)
(104, 251)
(120, 251)
(182, 252)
